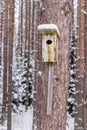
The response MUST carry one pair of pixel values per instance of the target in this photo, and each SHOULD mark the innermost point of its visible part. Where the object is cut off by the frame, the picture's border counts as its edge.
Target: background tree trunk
(52, 12)
(81, 76)
(10, 59)
(5, 39)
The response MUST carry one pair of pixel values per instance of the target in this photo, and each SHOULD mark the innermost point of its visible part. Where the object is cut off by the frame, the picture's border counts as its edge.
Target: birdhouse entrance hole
(49, 42)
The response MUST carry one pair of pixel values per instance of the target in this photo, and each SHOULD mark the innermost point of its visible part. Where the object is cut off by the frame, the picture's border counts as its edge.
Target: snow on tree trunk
(72, 86)
(80, 69)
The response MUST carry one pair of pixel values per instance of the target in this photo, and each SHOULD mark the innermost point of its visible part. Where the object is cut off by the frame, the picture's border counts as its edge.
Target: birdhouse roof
(48, 29)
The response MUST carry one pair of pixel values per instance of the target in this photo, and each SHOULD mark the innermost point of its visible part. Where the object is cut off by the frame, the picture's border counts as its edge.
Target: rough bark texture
(81, 83)
(5, 39)
(85, 77)
(10, 57)
(59, 13)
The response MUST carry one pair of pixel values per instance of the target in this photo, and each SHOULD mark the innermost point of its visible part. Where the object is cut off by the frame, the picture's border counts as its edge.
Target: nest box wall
(50, 35)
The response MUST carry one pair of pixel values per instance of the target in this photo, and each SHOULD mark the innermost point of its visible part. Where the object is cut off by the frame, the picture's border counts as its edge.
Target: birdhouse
(50, 35)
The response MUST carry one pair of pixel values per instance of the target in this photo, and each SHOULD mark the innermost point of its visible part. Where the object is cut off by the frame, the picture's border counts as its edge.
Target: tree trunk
(80, 109)
(27, 42)
(5, 39)
(85, 77)
(10, 56)
(52, 12)
(1, 41)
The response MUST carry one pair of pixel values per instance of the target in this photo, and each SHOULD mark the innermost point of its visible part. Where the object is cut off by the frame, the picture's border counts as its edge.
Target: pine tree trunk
(80, 109)
(5, 39)
(85, 77)
(10, 56)
(1, 38)
(27, 52)
(53, 12)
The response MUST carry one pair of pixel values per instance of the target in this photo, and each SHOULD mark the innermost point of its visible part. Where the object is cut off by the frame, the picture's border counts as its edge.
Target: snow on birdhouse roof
(48, 29)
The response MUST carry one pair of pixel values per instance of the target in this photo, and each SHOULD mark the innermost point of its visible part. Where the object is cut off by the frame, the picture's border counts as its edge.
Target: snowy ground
(23, 121)
(70, 122)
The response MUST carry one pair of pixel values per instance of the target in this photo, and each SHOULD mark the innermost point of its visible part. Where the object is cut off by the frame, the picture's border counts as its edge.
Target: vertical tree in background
(85, 77)
(81, 78)
(81, 85)
(10, 59)
(1, 39)
(26, 54)
(5, 39)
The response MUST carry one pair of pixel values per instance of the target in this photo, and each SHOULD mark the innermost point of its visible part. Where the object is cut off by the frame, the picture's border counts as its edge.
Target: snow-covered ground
(23, 121)
(70, 122)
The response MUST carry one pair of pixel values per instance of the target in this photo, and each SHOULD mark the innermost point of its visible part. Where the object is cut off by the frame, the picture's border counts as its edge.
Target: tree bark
(85, 67)
(5, 39)
(80, 69)
(27, 50)
(53, 12)
(10, 56)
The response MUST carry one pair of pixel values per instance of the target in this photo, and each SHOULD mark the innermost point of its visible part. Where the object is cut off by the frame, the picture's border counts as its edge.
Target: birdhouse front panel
(49, 48)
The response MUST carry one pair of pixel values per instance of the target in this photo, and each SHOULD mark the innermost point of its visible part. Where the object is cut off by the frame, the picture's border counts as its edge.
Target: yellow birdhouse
(50, 35)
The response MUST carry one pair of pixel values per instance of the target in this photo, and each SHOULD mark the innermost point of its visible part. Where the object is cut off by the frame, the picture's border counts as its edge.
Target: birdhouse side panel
(56, 55)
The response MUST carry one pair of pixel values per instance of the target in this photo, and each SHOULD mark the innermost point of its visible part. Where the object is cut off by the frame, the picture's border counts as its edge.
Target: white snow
(23, 121)
(70, 122)
(83, 11)
(48, 27)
